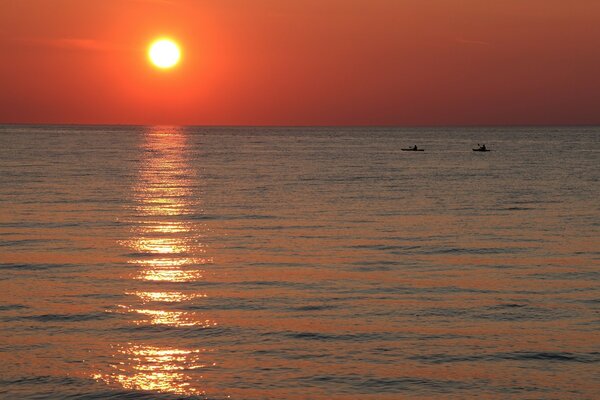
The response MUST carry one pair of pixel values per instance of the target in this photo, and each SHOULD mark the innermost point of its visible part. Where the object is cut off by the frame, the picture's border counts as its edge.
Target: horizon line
(302, 125)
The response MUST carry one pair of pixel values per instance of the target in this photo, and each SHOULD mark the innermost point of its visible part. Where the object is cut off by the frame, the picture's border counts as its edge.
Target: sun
(164, 53)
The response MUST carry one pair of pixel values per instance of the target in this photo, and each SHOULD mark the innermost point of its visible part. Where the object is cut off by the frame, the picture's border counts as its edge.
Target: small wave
(13, 348)
(228, 304)
(170, 331)
(43, 379)
(376, 265)
(593, 357)
(230, 217)
(38, 224)
(521, 313)
(404, 249)
(34, 267)
(26, 242)
(72, 388)
(313, 307)
(351, 337)
(481, 250)
(508, 305)
(298, 285)
(372, 268)
(571, 275)
(456, 289)
(150, 254)
(9, 307)
(287, 227)
(67, 317)
(383, 247)
(370, 384)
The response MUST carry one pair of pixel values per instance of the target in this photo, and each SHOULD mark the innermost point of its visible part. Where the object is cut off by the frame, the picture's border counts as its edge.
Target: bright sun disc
(164, 53)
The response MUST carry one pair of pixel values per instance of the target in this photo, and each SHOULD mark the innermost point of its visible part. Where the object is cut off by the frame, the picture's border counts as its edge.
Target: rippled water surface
(255, 263)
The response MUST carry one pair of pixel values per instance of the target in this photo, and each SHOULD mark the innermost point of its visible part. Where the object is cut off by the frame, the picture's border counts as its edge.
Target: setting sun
(164, 53)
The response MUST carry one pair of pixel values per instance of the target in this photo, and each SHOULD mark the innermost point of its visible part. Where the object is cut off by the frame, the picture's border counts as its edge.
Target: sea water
(299, 263)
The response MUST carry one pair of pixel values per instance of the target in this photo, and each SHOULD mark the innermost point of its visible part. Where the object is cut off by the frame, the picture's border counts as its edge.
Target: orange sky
(302, 62)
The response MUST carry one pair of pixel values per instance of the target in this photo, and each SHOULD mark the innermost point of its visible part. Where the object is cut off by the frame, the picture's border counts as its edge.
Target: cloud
(69, 43)
(154, 1)
(477, 42)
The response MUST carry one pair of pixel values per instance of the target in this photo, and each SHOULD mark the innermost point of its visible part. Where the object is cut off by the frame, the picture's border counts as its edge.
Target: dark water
(257, 263)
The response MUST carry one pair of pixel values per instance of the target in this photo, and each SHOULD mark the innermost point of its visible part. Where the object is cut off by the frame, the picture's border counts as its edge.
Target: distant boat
(481, 148)
(413, 149)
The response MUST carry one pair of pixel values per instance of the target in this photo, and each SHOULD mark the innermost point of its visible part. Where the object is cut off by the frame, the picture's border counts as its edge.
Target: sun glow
(164, 53)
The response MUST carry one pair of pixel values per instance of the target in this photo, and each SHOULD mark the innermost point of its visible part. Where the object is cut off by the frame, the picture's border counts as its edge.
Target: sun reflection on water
(169, 275)
(158, 369)
(167, 227)
(159, 246)
(166, 249)
(168, 317)
(166, 297)
(173, 318)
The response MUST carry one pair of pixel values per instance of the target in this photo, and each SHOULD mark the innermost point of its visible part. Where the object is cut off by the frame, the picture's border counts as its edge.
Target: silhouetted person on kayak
(483, 147)
(415, 147)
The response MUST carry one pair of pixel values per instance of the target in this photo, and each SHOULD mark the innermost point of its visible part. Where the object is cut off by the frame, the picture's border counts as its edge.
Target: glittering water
(257, 263)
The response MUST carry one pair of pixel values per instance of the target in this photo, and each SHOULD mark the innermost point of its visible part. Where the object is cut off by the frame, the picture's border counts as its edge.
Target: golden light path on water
(166, 251)
(157, 369)
(165, 297)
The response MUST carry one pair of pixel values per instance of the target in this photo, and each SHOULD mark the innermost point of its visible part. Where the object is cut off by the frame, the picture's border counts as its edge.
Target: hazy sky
(302, 62)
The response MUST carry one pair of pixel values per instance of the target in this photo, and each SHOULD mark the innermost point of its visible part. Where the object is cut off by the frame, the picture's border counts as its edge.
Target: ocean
(299, 263)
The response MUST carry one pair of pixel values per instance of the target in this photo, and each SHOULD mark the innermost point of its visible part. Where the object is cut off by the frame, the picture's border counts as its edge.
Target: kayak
(481, 150)
(412, 149)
